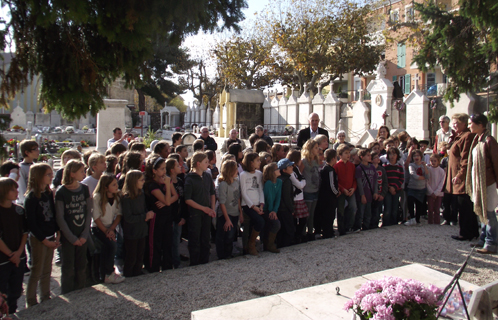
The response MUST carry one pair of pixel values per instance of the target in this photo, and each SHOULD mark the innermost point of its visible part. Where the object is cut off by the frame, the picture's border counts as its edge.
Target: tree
(243, 62)
(318, 39)
(463, 43)
(158, 83)
(79, 46)
(196, 79)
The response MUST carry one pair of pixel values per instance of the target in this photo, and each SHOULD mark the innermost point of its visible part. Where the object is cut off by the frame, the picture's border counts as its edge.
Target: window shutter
(403, 56)
(399, 56)
(408, 84)
(394, 79)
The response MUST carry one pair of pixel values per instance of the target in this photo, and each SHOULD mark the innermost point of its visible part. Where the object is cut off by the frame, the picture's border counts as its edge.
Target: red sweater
(345, 175)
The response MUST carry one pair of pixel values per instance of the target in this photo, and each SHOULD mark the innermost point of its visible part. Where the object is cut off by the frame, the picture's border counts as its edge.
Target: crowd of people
(129, 212)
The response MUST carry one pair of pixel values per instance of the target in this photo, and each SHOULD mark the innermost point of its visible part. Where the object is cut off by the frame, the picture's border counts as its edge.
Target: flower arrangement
(399, 105)
(12, 142)
(289, 129)
(392, 298)
(84, 144)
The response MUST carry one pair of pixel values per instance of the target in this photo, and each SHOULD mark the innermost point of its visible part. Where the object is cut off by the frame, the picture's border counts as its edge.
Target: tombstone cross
(417, 78)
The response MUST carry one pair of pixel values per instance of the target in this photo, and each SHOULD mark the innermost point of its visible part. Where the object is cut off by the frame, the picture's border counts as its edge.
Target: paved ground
(176, 293)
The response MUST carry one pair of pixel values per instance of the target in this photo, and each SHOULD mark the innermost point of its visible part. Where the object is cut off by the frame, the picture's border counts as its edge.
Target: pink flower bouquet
(392, 298)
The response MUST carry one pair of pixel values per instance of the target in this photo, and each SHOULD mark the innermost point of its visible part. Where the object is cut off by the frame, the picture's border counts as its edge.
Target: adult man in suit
(310, 132)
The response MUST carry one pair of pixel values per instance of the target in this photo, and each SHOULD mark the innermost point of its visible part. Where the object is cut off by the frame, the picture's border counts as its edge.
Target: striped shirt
(395, 175)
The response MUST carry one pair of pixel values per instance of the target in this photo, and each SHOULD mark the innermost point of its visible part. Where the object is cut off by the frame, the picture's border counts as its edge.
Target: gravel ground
(176, 293)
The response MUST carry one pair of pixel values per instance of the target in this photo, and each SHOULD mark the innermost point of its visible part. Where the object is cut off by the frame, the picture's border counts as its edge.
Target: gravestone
(18, 117)
(202, 114)
(107, 119)
(361, 116)
(209, 117)
(273, 110)
(30, 117)
(305, 108)
(381, 90)
(317, 103)
(292, 116)
(332, 108)
(216, 117)
(42, 119)
(55, 119)
(466, 104)
(282, 109)
(417, 114)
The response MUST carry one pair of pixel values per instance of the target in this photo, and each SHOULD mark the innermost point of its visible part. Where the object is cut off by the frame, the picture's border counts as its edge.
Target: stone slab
(320, 302)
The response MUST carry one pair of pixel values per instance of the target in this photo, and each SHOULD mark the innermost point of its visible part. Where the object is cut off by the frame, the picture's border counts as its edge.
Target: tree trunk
(141, 100)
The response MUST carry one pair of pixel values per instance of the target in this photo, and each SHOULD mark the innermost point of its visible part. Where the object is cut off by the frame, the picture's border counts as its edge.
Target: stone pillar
(331, 106)
(109, 118)
(230, 118)
(274, 121)
(267, 109)
(305, 108)
(417, 115)
(381, 90)
(282, 110)
(188, 114)
(361, 116)
(216, 118)
(292, 113)
(318, 106)
(208, 115)
(202, 114)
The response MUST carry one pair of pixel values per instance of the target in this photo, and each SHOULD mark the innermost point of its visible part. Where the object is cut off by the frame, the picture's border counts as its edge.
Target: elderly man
(232, 138)
(444, 133)
(310, 132)
(117, 137)
(260, 131)
(209, 142)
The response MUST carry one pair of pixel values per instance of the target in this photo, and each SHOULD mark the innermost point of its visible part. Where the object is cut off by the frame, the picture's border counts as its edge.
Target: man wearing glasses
(209, 142)
(444, 133)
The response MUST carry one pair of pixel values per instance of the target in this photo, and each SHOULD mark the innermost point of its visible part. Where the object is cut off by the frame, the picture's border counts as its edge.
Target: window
(409, 11)
(394, 15)
(445, 78)
(401, 81)
(431, 79)
(401, 55)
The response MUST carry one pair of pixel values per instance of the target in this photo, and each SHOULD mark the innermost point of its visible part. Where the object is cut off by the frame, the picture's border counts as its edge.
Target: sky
(199, 44)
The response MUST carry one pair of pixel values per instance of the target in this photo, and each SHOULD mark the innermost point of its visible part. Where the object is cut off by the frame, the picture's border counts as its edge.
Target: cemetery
(361, 68)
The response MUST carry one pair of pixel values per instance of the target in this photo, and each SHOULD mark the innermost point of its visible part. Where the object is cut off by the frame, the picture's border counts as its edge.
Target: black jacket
(210, 143)
(305, 134)
(287, 199)
(40, 213)
(133, 221)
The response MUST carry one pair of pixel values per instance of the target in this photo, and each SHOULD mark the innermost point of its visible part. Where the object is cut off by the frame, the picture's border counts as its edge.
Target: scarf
(477, 190)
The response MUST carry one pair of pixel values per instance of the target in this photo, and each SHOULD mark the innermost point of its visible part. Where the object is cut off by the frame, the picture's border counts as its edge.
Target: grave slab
(320, 302)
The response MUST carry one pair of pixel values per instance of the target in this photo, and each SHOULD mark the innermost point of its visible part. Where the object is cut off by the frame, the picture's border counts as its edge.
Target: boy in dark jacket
(327, 197)
(286, 208)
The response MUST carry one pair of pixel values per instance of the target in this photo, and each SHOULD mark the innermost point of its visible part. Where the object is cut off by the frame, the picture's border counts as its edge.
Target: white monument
(305, 108)
(381, 90)
(267, 108)
(273, 111)
(417, 114)
(202, 114)
(18, 117)
(361, 116)
(109, 118)
(317, 103)
(282, 109)
(216, 117)
(209, 117)
(332, 108)
(292, 116)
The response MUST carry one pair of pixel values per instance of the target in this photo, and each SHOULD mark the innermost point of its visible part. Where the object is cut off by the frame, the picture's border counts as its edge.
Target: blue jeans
(363, 216)
(489, 233)
(346, 214)
(177, 234)
(391, 204)
(224, 239)
(257, 220)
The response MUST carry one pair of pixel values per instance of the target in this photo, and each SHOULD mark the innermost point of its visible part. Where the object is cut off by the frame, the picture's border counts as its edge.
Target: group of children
(132, 208)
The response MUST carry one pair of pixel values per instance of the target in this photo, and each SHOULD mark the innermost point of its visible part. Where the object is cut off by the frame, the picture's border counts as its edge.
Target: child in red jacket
(347, 185)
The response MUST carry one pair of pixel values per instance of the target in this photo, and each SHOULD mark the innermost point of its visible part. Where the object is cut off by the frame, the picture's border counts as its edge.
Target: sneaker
(410, 222)
(114, 278)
